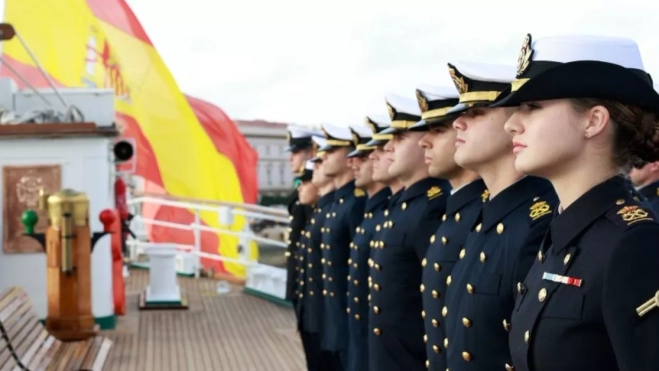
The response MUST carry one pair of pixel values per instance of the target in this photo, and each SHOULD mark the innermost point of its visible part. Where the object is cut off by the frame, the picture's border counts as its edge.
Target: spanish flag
(185, 147)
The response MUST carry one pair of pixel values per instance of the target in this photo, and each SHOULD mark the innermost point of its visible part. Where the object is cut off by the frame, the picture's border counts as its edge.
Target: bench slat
(61, 357)
(8, 296)
(14, 317)
(41, 354)
(5, 354)
(48, 358)
(88, 361)
(22, 342)
(102, 355)
(34, 346)
(12, 303)
(79, 354)
(26, 339)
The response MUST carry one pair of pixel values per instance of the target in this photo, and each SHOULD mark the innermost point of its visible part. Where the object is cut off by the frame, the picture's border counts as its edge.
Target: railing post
(197, 242)
(246, 242)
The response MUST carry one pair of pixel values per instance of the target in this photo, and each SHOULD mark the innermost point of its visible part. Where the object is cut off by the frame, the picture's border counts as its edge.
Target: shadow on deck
(230, 332)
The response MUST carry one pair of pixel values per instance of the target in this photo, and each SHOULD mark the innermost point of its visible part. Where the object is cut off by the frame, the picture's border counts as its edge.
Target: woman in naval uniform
(587, 112)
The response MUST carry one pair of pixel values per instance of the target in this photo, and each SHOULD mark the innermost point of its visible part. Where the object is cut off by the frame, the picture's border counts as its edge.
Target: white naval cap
(479, 84)
(363, 134)
(542, 54)
(435, 101)
(378, 124)
(433, 93)
(403, 112)
(581, 66)
(321, 143)
(380, 121)
(362, 131)
(297, 131)
(336, 136)
(299, 137)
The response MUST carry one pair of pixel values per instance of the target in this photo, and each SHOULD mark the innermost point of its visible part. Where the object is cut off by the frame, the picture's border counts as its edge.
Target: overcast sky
(307, 61)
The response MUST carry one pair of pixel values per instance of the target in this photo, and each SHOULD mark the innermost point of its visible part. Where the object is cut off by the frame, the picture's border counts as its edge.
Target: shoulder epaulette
(359, 192)
(434, 192)
(627, 214)
(539, 209)
(485, 196)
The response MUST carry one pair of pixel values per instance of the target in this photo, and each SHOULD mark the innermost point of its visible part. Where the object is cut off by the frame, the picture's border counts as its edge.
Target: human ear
(597, 118)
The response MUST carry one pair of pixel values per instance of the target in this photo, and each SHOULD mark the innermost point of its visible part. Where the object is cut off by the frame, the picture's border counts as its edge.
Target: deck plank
(230, 332)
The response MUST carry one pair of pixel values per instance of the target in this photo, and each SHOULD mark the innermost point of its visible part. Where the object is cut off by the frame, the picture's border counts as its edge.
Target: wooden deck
(230, 332)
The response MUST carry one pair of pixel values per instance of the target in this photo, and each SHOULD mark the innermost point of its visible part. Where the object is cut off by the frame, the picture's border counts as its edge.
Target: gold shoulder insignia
(359, 192)
(633, 213)
(423, 102)
(485, 196)
(392, 111)
(657, 191)
(539, 209)
(458, 80)
(525, 55)
(434, 192)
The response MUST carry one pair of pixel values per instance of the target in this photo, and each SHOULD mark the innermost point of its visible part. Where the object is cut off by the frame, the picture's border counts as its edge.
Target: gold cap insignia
(525, 55)
(633, 214)
(433, 192)
(485, 196)
(355, 138)
(458, 79)
(288, 136)
(423, 102)
(539, 209)
(359, 192)
(373, 127)
(392, 111)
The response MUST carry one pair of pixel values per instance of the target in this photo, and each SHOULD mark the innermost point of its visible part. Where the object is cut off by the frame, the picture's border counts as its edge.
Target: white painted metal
(162, 274)
(262, 278)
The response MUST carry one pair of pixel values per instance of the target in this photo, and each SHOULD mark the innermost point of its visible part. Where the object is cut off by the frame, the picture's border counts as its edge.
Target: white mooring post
(163, 291)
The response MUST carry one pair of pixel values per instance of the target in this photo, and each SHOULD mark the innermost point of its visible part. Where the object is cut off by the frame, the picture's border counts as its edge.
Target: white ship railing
(225, 212)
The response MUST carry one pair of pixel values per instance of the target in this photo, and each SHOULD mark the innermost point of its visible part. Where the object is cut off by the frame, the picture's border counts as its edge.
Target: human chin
(527, 161)
(462, 156)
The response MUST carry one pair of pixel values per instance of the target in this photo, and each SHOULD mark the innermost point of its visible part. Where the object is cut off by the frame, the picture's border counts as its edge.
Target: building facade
(269, 140)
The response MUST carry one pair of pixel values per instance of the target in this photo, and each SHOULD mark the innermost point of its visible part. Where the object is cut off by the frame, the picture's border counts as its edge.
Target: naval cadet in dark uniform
(311, 283)
(462, 208)
(646, 182)
(301, 148)
(360, 250)
(396, 325)
(381, 159)
(505, 236)
(590, 300)
(338, 232)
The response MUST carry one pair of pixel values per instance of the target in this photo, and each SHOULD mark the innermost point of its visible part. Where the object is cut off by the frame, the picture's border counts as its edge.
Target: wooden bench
(33, 348)
(7, 361)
